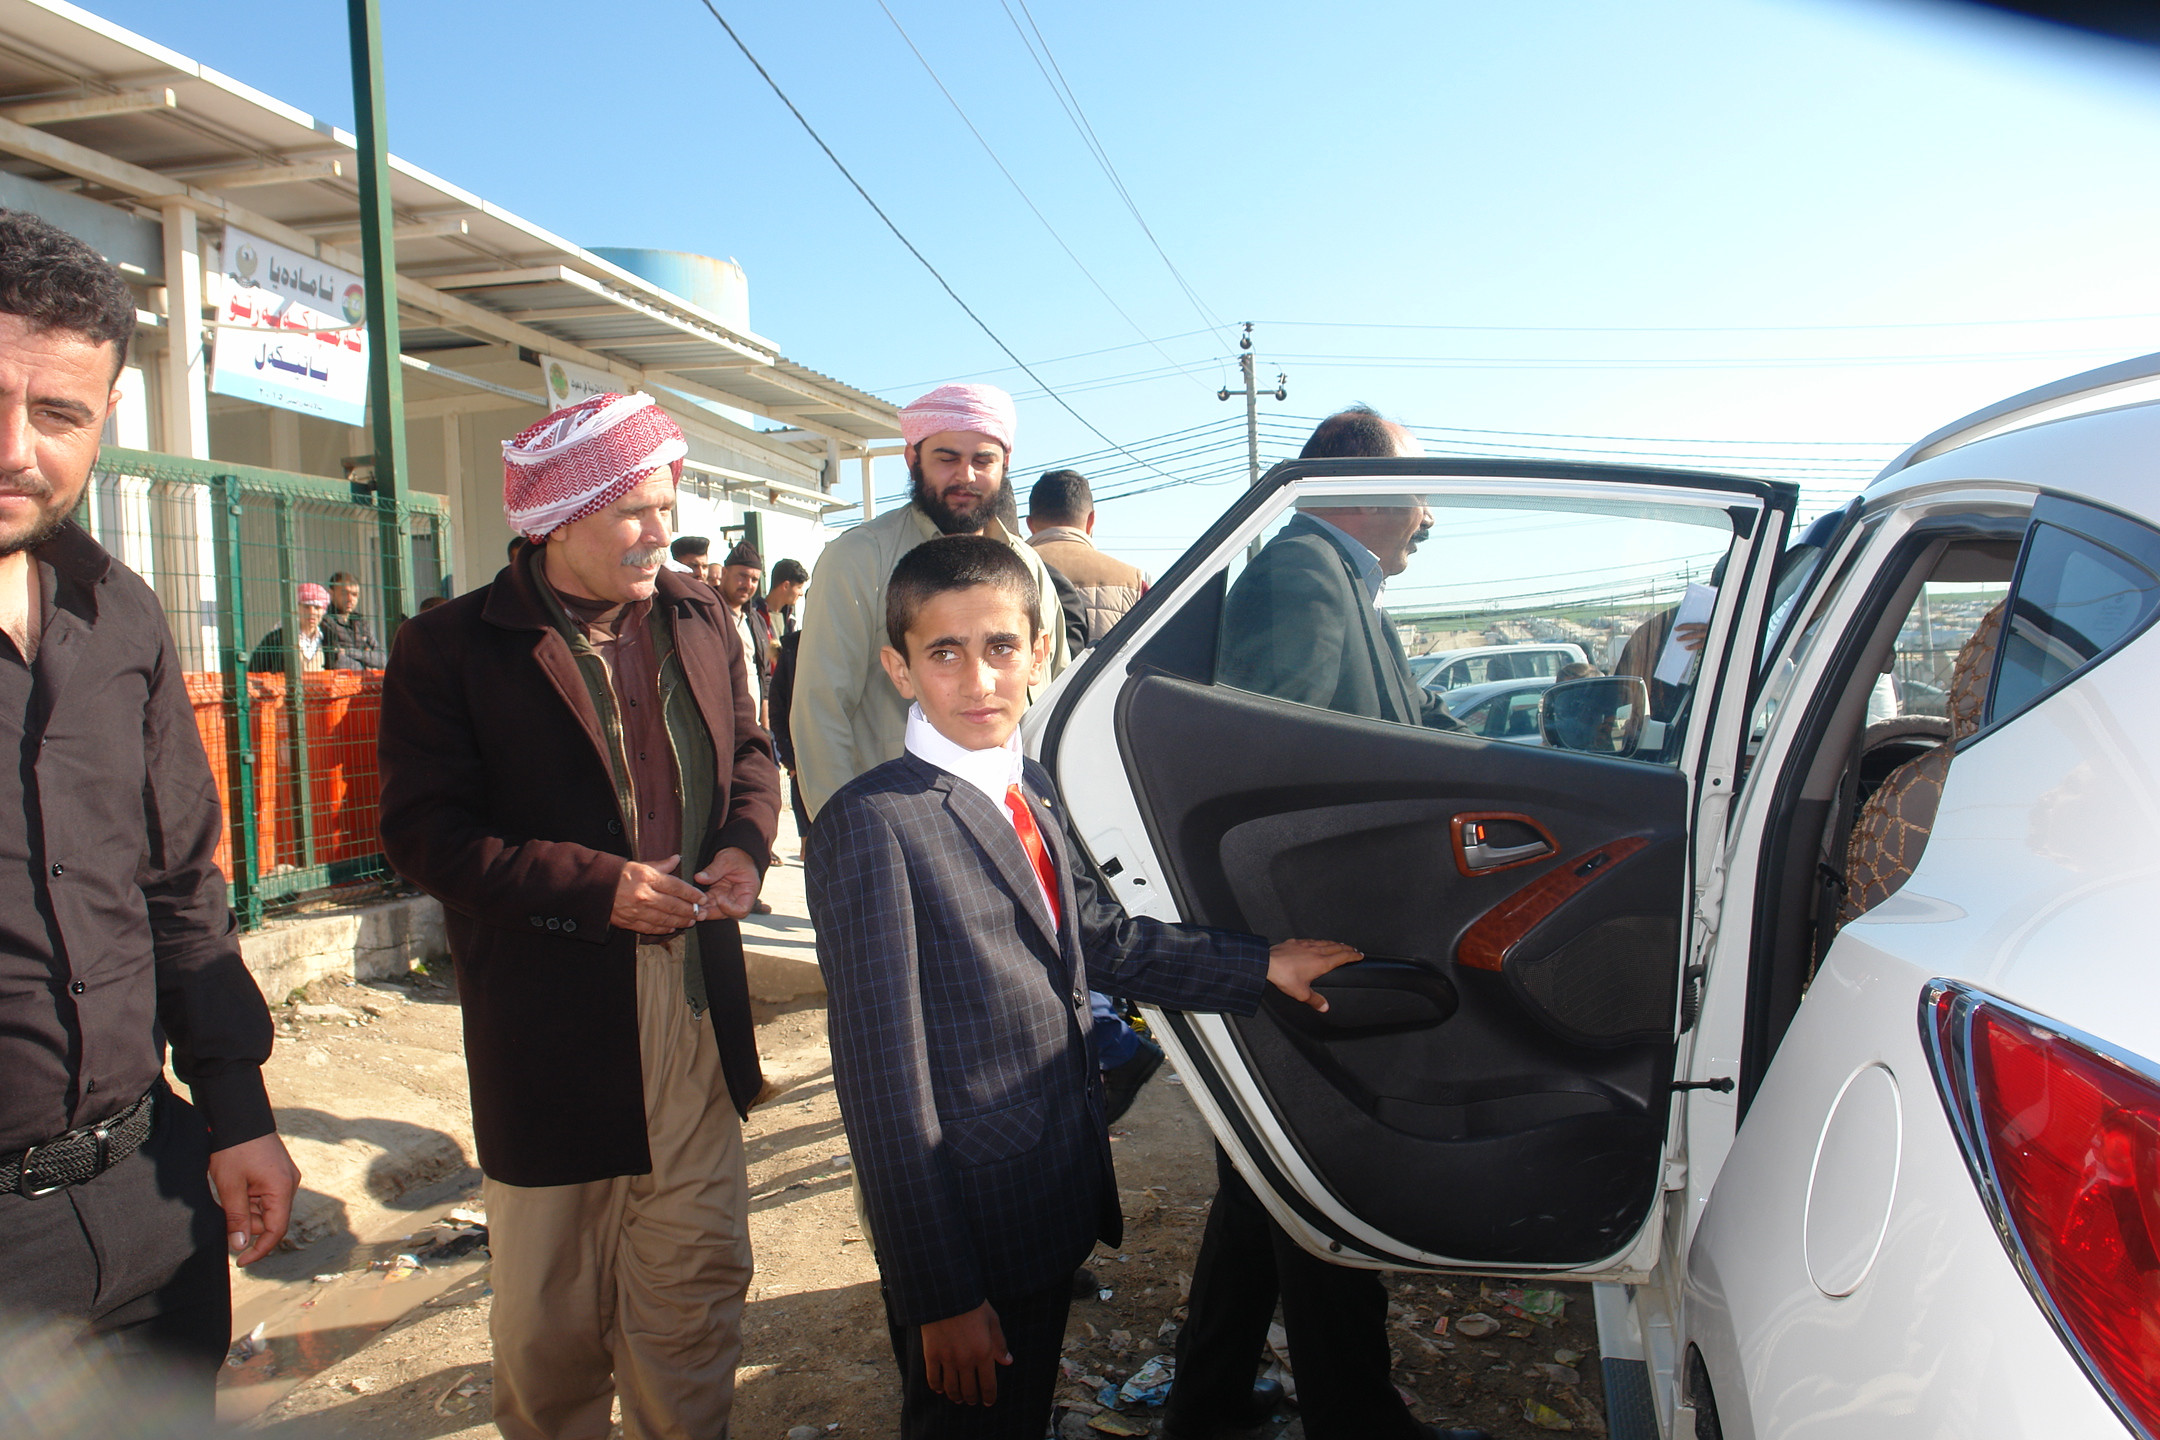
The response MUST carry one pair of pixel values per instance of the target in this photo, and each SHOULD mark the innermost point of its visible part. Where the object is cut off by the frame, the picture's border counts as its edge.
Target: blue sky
(1558, 217)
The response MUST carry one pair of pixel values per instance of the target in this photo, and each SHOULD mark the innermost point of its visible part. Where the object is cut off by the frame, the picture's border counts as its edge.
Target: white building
(156, 160)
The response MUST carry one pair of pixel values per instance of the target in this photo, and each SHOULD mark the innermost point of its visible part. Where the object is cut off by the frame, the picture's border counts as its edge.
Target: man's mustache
(642, 559)
(1424, 533)
(30, 486)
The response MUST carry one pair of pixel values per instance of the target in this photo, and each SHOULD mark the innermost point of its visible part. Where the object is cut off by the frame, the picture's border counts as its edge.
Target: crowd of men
(582, 760)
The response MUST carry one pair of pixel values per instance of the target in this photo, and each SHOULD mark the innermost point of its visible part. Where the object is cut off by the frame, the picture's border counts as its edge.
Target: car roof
(2104, 456)
(1484, 689)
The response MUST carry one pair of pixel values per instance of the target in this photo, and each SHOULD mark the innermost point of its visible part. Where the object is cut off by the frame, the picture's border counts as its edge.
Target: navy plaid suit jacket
(958, 1019)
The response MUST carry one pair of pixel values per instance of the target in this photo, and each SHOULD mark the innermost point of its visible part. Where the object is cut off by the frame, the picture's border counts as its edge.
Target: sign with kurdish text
(291, 331)
(569, 382)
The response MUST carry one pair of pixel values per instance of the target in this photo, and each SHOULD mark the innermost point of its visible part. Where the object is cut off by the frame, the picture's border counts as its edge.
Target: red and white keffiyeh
(582, 459)
(984, 409)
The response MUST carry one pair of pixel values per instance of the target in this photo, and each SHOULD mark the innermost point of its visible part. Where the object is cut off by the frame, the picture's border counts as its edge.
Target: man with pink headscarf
(572, 764)
(301, 646)
(846, 716)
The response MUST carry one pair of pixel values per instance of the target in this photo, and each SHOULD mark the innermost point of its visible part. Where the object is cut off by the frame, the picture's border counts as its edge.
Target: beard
(948, 520)
(50, 517)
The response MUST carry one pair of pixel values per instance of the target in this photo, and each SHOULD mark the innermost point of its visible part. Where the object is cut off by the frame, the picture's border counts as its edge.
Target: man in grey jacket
(846, 717)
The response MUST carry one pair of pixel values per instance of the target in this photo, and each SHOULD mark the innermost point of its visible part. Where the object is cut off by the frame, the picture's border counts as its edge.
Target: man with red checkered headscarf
(572, 764)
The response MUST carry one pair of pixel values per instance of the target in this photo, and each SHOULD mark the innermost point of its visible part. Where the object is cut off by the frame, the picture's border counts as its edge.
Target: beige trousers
(632, 1285)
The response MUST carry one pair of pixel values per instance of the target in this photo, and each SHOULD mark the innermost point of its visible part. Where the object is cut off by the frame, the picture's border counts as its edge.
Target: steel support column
(378, 254)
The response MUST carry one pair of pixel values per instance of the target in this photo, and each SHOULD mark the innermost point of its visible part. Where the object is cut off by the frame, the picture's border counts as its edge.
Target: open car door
(1491, 1087)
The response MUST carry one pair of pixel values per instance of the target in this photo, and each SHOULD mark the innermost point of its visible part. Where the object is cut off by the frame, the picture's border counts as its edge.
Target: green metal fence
(289, 723)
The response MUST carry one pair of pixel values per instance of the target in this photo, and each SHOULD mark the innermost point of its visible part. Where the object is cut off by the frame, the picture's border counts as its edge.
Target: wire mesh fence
(286, 683)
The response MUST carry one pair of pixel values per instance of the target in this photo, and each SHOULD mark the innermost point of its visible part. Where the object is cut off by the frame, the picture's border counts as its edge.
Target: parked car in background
(1445, 670)
(1824, 1045)
(1500, 709)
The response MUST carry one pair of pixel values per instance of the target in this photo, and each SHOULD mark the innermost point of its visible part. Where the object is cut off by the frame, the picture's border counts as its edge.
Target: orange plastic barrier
(208, 695)
(344, 709)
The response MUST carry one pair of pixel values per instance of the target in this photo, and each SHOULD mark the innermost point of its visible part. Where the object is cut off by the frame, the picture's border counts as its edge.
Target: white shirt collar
(991, 771)
(1368, 564)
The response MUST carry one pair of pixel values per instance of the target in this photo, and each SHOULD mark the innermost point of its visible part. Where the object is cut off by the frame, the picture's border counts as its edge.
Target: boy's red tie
(1038, 854)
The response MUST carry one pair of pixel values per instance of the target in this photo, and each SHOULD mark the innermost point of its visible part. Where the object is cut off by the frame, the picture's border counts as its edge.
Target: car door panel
(1542, 1080)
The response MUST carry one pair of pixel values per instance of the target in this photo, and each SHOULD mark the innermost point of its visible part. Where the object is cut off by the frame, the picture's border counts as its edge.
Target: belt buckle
(22, 1179)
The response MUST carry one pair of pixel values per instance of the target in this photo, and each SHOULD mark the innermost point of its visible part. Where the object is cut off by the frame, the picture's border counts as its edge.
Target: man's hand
(652, 901)
(254, 1181)
(960, 1356)
(1293, 965)
(731, 882)
(1690, 636)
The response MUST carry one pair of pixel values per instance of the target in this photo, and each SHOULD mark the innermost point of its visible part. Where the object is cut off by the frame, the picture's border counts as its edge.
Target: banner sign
(291, 331)
(569, 382)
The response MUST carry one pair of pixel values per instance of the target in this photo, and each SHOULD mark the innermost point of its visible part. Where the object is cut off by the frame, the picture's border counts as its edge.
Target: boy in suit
(959, 929)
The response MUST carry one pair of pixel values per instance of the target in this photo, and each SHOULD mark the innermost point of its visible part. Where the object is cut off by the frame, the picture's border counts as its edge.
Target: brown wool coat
(497, 799)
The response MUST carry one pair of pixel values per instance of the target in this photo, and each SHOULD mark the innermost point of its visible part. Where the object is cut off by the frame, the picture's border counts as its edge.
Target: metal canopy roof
(677, 345)
(88, 106)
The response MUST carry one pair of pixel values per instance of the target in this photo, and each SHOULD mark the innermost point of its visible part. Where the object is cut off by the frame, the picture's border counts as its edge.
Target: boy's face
(969, 662)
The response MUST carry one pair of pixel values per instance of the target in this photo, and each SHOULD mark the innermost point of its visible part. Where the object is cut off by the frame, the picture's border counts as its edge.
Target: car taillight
(2064, 1140)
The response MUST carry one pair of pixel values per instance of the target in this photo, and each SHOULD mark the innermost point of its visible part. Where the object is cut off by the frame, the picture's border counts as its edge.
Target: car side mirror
(1602, 715)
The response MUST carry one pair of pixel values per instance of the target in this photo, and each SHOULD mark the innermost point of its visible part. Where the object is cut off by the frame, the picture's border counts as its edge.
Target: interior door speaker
(1612, 984)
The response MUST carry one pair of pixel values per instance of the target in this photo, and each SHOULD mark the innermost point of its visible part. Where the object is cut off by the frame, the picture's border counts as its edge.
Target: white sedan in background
(1822, 1038)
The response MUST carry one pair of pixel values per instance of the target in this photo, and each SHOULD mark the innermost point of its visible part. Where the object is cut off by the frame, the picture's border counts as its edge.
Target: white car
(1482, 664)
(1887, 1175)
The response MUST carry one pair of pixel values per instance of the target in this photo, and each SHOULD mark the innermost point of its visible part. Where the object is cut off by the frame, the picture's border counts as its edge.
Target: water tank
(716, 286)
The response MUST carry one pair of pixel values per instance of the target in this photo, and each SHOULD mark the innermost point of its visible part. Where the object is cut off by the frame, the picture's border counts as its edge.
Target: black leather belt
(81, 1154)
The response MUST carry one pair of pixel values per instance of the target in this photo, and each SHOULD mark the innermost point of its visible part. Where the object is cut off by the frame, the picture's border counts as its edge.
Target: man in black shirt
(114, 933)
(348, 629)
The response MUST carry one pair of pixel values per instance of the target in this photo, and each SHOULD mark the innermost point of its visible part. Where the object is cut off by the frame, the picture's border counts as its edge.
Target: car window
(2076, 599)
(1521, 719)
(1942, 618)
(1330, 610)
(1478, 718)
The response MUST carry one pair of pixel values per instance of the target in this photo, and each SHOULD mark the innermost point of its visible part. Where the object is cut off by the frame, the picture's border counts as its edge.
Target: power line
(1024, 196)
(918, 385)
(1070, 102)
(879, 211)
(1706, 362)
(1324, 360)
(1646, 439)
(1705, 329)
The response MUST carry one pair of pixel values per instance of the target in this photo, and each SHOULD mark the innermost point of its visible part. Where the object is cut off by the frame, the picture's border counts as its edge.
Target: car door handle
(1477, 850)
(1484, 857)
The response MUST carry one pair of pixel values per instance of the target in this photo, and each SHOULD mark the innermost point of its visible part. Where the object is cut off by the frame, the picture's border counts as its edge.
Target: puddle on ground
(308, 1325)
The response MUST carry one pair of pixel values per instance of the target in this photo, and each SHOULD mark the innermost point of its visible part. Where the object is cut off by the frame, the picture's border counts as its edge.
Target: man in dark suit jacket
(958, 935)
(571, 763)
(1303, 623)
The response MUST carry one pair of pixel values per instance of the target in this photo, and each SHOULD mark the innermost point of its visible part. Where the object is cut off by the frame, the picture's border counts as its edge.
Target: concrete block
(358, 942)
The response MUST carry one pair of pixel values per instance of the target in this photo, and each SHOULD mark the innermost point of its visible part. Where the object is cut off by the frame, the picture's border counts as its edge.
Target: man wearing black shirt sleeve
(119, 1201)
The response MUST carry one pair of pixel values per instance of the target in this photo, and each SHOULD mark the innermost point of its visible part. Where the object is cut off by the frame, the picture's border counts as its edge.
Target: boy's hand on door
(1293, 965)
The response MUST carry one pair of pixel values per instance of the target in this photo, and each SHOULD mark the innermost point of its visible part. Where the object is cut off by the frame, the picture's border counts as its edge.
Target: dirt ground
(816, 1360)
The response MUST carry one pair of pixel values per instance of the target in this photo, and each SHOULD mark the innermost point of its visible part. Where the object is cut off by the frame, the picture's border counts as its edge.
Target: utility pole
(378, 254)
(1252, 402)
